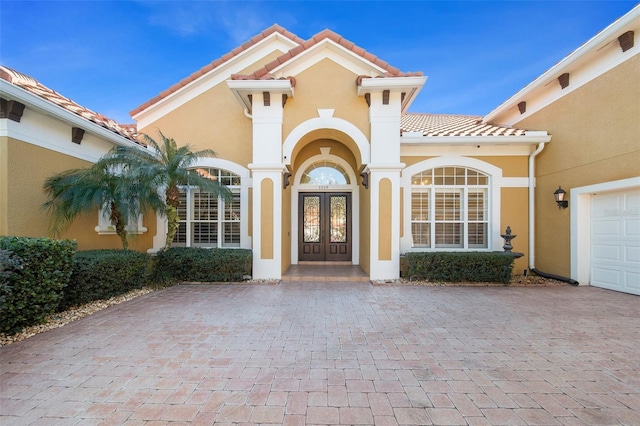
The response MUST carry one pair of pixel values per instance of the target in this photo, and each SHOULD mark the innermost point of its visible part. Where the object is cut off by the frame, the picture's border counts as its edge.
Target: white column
(384, 184)
(266, 170)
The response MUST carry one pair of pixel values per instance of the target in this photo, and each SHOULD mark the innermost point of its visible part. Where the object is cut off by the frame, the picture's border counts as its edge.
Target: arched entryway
(324, 209)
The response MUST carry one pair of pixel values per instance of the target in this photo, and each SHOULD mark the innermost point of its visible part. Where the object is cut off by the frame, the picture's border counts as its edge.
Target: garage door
(615, 241)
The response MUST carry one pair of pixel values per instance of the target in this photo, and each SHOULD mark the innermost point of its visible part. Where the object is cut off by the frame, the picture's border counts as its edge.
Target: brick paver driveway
(336, 353)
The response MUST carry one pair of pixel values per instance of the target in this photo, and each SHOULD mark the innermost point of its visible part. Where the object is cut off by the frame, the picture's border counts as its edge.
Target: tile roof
(453, 125)
(221, 60)
(264, 72)
(33, 86)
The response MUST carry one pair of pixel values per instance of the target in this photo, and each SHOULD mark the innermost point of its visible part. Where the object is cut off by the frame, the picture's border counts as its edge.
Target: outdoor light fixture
(559, 194)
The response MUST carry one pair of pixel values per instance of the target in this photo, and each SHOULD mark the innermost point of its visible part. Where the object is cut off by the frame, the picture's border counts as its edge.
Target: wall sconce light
(559, 195)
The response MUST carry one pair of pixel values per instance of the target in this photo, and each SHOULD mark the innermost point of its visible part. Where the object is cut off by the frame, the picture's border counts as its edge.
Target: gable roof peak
(275, 28)
(326, 34)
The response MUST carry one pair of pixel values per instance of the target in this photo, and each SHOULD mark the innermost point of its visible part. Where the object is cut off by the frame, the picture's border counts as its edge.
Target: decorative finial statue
(507, 240)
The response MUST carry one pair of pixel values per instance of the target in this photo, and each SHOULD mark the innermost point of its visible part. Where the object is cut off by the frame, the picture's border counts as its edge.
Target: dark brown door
(324, 224)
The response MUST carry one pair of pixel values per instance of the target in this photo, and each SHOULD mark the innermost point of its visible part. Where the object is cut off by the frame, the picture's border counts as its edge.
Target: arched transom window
(207, 220)
(325, 173)
(449, 208)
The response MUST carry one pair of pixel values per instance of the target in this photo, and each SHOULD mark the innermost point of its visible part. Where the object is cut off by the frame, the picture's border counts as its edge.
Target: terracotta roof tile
(33, 86)
(453, 125)
(216, 63)
(264, 73)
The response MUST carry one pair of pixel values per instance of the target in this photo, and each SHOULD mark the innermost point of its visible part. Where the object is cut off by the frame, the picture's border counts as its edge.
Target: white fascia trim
(241, 89)
(45, 107)
(530, 138)
(214, 77)
(411, 86)
(384, 167)
(327, 48)
(465, 150)
(370, 85)
(275, 167)
(592, 46)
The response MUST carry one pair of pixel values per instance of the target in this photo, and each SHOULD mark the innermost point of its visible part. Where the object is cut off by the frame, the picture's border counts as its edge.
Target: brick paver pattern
(336, 353)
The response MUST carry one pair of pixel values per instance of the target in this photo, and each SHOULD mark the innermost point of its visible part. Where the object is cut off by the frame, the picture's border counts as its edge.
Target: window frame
(448, 229)
(492, 203)
(187, 210)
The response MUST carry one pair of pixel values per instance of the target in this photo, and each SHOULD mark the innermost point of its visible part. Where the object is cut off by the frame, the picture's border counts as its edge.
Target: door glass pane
(311, 219)
(325, 173)
(338, 230)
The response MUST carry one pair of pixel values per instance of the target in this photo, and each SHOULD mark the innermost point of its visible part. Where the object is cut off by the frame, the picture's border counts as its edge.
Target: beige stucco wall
(512, 166)
(266, 218)
(384, 219)
(514, 212)
(312, 148)
(286, 228)
(4, 185)
(595, 138)
(24, 169)
(213, 120)
(326, 85)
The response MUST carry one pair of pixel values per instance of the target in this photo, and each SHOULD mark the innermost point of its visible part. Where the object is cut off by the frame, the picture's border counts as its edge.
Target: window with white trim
(207, 220)
(449, 208)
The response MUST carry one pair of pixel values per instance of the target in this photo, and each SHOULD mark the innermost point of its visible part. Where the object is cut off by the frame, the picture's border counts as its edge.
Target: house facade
(326, 164)
(590, 103)
(43, 133)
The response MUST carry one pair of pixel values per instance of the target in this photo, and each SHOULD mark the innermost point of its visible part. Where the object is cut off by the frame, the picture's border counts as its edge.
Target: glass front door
(325, 227)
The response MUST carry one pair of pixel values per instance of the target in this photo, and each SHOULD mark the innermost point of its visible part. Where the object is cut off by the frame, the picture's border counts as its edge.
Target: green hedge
(101, 274)
(181, 264)
(459, 267)
(33, 291)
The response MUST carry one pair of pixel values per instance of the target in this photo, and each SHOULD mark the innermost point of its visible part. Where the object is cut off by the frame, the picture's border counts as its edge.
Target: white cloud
(236, 21)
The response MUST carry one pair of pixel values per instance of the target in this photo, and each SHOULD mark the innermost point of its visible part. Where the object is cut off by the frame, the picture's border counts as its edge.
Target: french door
(324, 226)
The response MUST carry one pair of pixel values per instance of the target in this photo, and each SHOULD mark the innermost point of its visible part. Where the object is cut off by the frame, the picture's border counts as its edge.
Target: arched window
(449, 208)
(207, 220)
(325, 173)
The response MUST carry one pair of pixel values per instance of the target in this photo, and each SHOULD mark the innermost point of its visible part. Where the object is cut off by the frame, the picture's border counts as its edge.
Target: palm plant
(163, 167)
(118, 195)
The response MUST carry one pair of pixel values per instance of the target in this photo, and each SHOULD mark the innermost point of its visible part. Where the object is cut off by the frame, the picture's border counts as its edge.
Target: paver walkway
(336, 353)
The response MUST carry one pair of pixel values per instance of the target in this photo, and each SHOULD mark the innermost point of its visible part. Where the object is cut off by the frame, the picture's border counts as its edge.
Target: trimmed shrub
(201, 265)
(33, 292)
(101, 274)
(459, 266)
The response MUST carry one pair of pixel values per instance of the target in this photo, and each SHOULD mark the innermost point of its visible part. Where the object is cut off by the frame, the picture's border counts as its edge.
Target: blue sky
(113, 56)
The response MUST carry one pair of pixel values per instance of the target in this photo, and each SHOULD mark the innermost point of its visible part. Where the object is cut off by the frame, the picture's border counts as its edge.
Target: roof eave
(411, 86)
(603, 37)
(241, 89)
(45, 107)
(529, 138)
(203, 73)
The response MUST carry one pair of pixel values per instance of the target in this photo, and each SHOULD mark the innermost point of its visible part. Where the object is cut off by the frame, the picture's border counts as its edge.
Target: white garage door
(615, 241)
